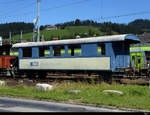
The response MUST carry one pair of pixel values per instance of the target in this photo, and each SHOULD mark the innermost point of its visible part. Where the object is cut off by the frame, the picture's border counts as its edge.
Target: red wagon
(5, 60)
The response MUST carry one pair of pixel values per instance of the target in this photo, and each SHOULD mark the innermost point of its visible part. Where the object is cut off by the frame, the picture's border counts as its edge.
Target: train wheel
(106, 77)
(42, 75)
(13, 71)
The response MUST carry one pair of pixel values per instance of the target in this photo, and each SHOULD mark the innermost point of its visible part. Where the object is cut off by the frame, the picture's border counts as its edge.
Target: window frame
(73, 48)
(57, 50)
(102, 46)
(29, 53)
(42, 49)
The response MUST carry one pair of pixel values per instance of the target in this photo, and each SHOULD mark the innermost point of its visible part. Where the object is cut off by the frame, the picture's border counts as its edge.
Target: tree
(15, 28)
(77, 22)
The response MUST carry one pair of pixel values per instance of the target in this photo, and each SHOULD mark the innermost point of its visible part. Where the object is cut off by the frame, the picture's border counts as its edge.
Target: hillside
(141, 24)
(67, 33)
(15, 28)
(69, 30)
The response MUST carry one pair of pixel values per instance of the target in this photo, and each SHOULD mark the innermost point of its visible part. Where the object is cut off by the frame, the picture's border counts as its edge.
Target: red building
(51, 27)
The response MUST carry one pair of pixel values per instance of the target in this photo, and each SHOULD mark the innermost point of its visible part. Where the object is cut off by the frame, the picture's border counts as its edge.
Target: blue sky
(59, 11)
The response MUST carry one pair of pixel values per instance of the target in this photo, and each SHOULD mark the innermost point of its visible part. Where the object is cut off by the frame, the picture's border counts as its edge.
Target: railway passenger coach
(104, 54)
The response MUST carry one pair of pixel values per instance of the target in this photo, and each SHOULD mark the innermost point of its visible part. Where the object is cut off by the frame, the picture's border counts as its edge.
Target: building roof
(112, 38)
(145, 37)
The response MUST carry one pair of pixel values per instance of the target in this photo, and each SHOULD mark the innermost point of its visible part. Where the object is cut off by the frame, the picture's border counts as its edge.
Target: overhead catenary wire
(46, 9)
(22, 8)
(64, 5)
(123, 15)
(11, 2)
(27, 13)
(42, 10)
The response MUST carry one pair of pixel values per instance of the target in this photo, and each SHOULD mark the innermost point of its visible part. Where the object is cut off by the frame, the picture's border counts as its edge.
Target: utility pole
(33, 39)
(42, 38)
(38, 21)
(10, 41)
(21, 36)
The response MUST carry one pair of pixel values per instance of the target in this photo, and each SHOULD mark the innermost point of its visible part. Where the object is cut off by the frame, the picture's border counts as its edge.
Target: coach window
(14, 52)
(139, 59)
(74, 50)
(101, 49)
(58, 50)
(27, 52)
(44, 51)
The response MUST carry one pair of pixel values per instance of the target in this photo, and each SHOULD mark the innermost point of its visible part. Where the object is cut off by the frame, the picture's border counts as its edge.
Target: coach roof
(112, 38)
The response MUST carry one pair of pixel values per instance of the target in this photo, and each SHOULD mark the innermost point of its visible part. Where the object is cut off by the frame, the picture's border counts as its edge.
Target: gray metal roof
(79, 41)
(145, 37)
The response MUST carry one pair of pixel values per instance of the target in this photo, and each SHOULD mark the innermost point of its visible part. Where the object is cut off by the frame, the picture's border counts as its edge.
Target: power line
(101, 8)
(69, 4)
(60, 6)
(17, 16)
(64, 5)
(17, 19)
(11, 2)
(124, 15)
(28, 12)
(13, 11)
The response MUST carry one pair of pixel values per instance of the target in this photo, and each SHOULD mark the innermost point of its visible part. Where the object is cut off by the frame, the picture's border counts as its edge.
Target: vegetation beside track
(136, 97)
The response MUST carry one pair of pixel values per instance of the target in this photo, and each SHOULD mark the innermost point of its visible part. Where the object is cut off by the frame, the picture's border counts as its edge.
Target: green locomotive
(140, 58)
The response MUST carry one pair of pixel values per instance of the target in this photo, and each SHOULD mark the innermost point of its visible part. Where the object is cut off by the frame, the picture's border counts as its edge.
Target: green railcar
(139, 56)
(136, 59)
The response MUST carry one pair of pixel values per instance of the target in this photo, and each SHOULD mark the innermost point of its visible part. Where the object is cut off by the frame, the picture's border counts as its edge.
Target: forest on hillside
(85, 28)
(15, 28)
(135, 27)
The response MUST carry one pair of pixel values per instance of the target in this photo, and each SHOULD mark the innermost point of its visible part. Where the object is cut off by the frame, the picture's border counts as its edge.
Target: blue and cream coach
(106, 53)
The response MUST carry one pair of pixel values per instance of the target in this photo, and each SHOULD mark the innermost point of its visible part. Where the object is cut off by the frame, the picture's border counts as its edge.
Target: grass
(67, 33)
(137, 97)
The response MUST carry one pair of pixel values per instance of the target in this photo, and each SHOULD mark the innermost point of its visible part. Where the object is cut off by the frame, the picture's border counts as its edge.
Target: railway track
(93, 78)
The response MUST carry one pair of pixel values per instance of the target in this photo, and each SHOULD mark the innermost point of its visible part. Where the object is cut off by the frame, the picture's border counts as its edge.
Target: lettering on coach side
(34, 63)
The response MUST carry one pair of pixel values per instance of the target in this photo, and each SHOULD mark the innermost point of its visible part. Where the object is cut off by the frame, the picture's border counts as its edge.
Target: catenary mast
(38, 21)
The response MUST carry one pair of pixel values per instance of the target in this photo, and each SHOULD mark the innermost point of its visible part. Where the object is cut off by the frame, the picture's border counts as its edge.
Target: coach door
(121, 52)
